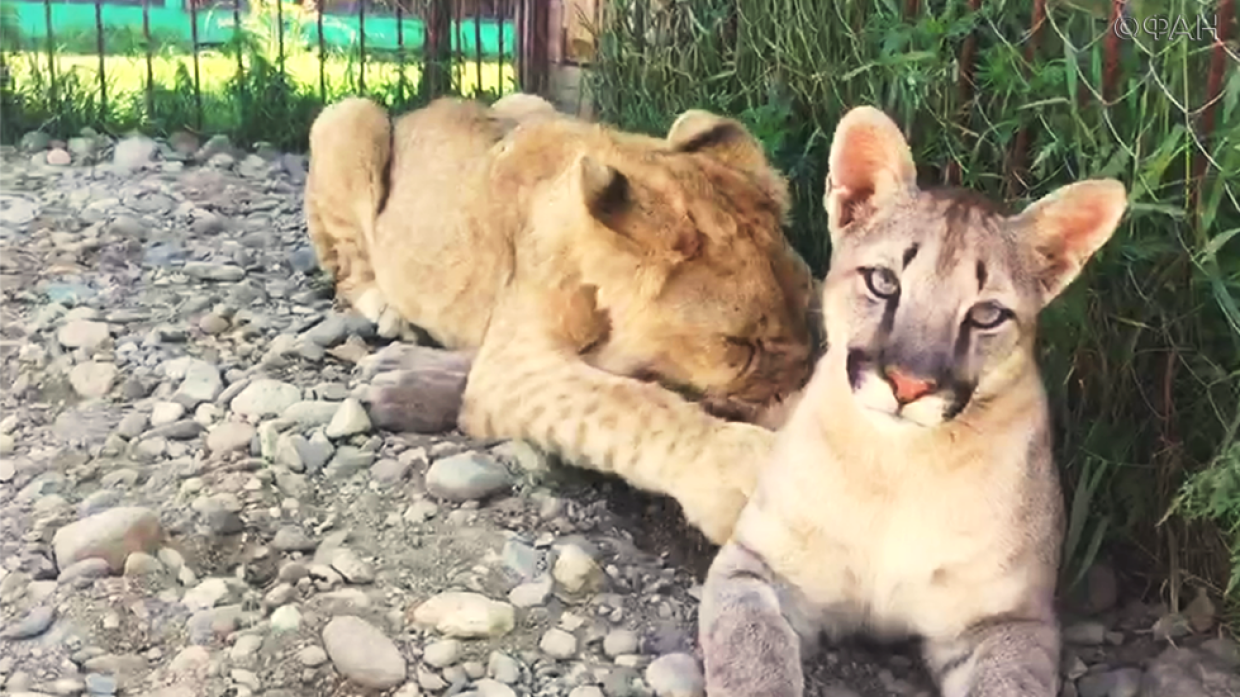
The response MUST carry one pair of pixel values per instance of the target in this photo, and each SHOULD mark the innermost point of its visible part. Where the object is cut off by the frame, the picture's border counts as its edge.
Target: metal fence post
(533, 18)
(437, 49)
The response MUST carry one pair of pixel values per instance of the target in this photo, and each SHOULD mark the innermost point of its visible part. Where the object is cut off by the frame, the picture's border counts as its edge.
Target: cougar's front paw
(748, 646)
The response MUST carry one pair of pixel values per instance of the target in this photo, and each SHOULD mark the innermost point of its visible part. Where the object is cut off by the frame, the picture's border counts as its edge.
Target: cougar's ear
(870, 167)
(1066, 228)
(609, 197)
(724, 139)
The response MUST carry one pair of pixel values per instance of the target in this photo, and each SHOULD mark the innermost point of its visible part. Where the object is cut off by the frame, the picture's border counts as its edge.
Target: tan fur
(912, 492)
(574, 257)
(340, 205)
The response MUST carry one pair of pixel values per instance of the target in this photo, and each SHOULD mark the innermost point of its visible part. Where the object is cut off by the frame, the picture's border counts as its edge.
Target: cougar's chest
(868, 547)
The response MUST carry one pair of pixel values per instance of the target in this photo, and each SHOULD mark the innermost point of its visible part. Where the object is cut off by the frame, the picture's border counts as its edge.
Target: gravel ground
(193, 499)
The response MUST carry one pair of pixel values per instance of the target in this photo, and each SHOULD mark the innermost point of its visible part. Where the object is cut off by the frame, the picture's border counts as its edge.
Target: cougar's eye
(988, 315)
(882, 282)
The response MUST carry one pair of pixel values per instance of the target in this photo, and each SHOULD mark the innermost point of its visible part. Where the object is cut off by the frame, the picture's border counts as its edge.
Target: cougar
(912, 492)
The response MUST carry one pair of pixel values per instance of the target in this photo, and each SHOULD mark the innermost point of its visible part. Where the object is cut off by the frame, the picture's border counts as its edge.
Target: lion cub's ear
(870, 167)
(609, 198)
(1067, 226)
(724, 139)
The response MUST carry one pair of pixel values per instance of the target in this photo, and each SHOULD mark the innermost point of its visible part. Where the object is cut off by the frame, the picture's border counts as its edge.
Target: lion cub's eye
(750, 352)
(882, 282)
(988, 315)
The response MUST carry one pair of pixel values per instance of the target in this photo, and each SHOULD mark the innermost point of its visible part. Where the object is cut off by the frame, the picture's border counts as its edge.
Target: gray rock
(1087, 633)
(286, 618)
(291, 538)
(165, 413)
(86, 569)
(676, 675)
(311, 413)
(100, 684)
(576, 571)
(465, 615)
(1124, 682)
(35, 141)
(330, 332)
(350, 566)
(82, 334)
(503, 668)
(348, 461)
(265, 398)
(493, 688)
(521, 559)
(110, 535)
(201, 383)
(134, 152)
(363, 654)
(32, 624)
(558, 643)
(441, 654)
(619, 642)
(312, 656)
(230, 436)
(208, 271)
(185, 429)
(92, 380)
(350, 419)
(389, 471)
(532, 594)
(467, 476)
(220, 513)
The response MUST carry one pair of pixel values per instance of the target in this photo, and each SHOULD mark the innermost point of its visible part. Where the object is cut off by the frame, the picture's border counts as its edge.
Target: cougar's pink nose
(907, 388)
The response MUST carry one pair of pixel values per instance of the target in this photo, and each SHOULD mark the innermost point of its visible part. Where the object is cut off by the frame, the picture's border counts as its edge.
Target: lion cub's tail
(350, 162)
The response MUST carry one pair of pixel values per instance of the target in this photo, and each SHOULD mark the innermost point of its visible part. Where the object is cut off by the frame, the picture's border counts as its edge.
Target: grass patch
(1142, 354)
(126, 75)
(259, 103)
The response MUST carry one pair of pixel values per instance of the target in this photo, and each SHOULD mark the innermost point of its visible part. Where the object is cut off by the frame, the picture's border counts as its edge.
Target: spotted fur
(614, 287)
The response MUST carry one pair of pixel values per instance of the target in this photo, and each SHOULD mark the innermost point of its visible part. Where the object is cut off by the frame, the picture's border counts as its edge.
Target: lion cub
(912, 491)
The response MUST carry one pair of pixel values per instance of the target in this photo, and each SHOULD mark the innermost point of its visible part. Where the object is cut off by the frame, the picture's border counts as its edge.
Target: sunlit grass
(127, 75)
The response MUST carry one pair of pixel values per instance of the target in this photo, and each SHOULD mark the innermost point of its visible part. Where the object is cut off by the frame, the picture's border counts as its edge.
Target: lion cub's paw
(412, 357)
(392, 326)
(415, 388)
(416, 401)
(373, 305)
(715, 513)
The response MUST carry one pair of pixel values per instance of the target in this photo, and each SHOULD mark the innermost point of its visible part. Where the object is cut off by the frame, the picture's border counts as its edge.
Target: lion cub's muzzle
(921, 389)
(780, 373)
